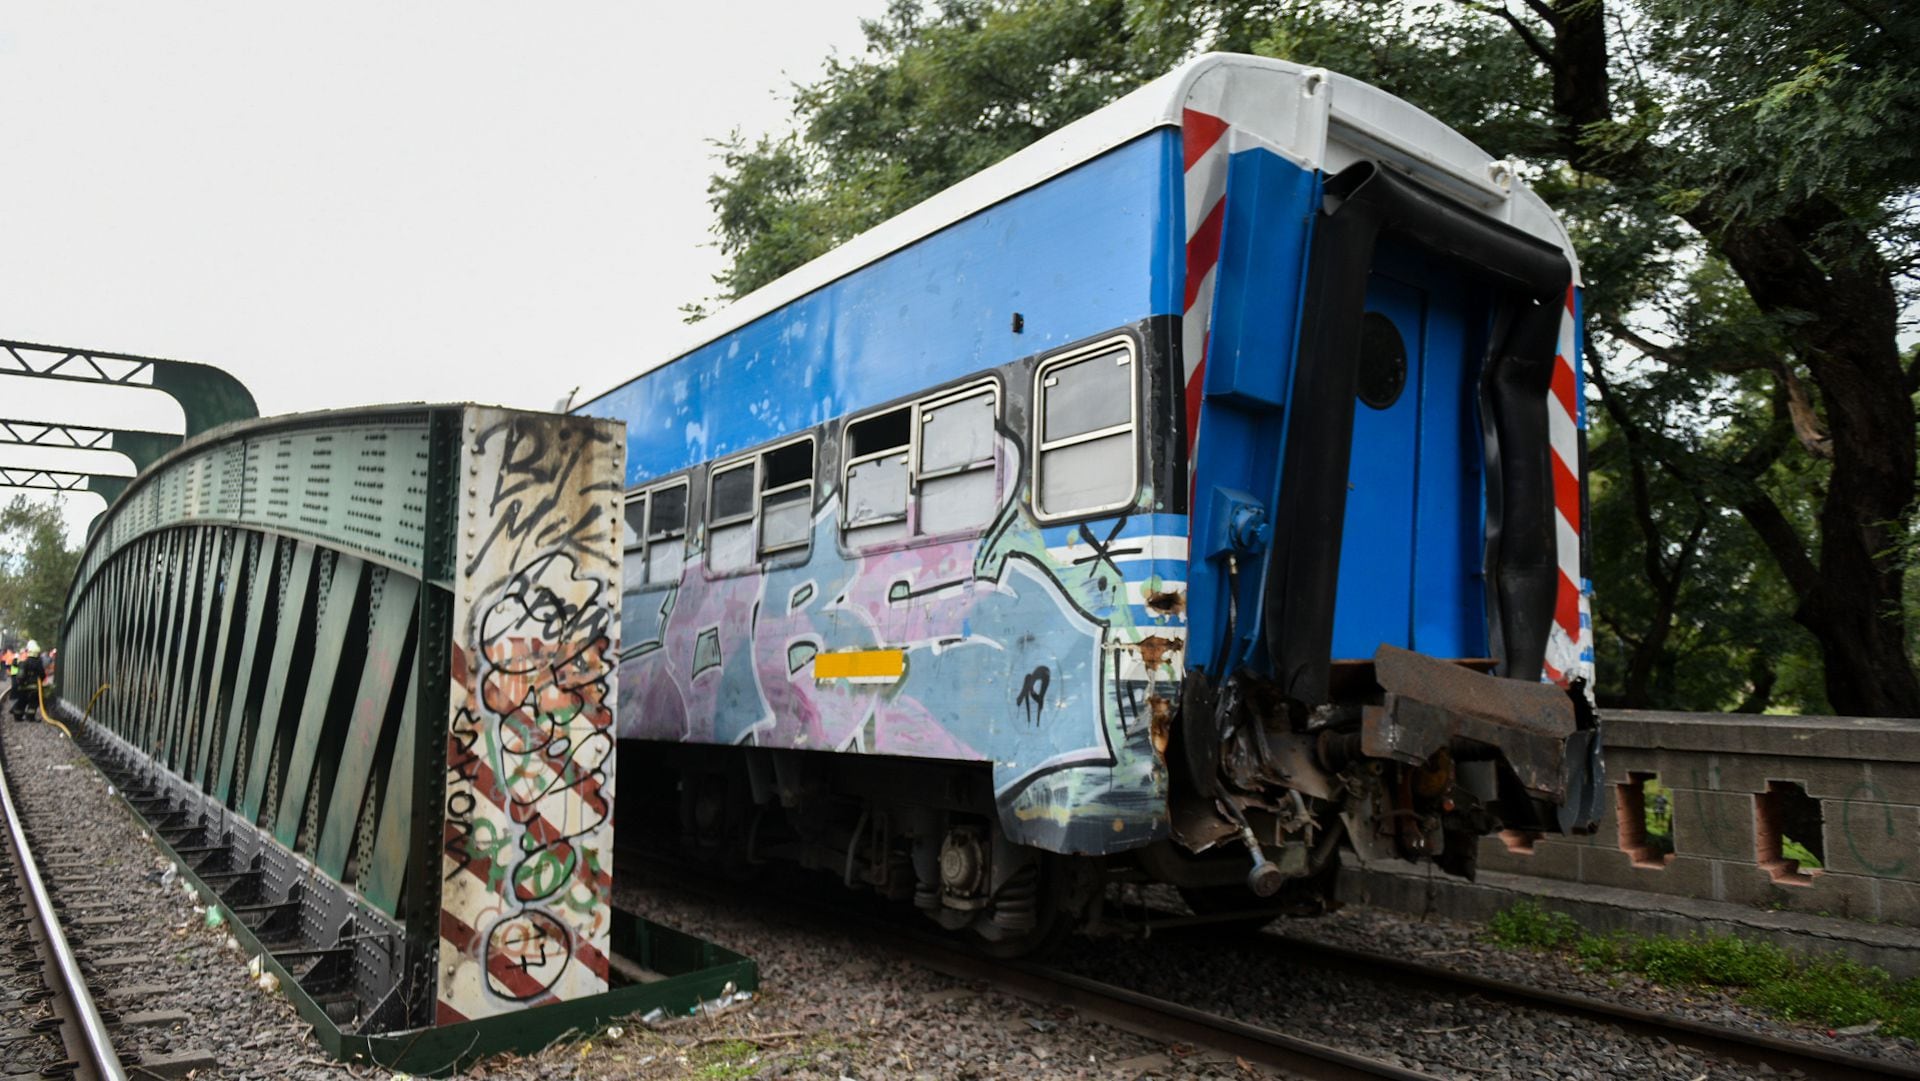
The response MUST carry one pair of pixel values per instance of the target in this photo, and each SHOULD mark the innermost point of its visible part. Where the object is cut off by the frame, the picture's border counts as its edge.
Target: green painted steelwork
(694, 974)
(291, 640)
(207, 397)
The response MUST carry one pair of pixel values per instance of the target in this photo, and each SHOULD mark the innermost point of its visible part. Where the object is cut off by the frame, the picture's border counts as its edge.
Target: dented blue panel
(1265, 243)
(1093, 249)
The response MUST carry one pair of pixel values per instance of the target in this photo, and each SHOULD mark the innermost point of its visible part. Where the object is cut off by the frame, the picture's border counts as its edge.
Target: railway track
(52, 1027)
(1142, 1014)
(1171, 1021)
(1752, 1048)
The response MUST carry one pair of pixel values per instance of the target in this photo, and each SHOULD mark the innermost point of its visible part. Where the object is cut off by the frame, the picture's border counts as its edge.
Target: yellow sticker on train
(861, 665)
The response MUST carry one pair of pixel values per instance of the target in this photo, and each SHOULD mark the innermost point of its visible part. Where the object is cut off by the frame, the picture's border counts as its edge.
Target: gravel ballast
(1463, 946)
(151, 952)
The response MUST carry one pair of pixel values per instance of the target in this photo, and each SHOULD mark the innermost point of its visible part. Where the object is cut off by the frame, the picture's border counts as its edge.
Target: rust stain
(1154, 649)
(1159, 722)
(1170, 603)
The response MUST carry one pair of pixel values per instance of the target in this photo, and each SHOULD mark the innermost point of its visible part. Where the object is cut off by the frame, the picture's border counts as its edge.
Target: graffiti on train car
(526, 859)
(1027, 645)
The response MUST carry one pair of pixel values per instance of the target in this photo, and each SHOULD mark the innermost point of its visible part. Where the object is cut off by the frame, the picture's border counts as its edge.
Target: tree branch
(1677, 357)
(1861, 10)
(1541, 9)
(1782, 540)
(1607, 617)
(1534, 45)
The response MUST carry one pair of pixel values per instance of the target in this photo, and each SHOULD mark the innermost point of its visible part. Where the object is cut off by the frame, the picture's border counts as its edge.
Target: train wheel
(1035, 912)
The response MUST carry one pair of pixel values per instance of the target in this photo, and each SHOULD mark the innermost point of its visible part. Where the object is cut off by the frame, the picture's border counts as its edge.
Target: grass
(1830, 992)
(728, 1060)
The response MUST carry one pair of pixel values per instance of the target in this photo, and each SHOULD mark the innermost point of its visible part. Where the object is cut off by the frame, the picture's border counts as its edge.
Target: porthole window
(1383, 361)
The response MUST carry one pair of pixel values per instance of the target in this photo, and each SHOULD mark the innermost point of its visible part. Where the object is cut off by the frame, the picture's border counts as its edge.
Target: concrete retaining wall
(1735, 785)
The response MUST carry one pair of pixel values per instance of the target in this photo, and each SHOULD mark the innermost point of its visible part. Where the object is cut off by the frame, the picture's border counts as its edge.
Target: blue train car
(1192, 496)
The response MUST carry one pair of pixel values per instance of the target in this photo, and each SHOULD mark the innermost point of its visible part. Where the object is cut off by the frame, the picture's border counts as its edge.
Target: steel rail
(1147, 1015)
(105, 1062)
(1775, 1052)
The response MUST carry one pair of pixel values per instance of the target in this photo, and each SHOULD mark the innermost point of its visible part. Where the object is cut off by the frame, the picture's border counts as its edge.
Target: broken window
(633, 541)
(949, 475)
(878, 477)
(666, 533)
(1086, 456)
(957, 484)
(653, 532)
(730, 516)
(786, 497)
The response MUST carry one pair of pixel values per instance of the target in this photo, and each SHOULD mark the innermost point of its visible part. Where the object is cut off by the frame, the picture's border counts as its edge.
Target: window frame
(849, 461)
(1131, 427)
(755, 460)
(916, 412)
(648, 535)
(762, 553)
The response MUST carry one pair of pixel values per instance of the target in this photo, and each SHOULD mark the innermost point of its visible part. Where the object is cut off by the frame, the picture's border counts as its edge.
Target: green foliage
(1657, 813)
(1829, 990)
(726, 1060)
(1799, 853)
(1709, 961)
(1529, 925)
(36, 566)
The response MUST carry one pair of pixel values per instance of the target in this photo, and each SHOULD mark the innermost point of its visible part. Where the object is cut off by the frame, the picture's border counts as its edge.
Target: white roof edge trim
(1156, 104)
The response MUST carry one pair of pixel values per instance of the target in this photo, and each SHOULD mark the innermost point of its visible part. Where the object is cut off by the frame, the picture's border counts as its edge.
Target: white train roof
(1313, 117)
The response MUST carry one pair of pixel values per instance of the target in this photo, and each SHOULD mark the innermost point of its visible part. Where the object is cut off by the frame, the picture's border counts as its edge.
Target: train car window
(633, 541)
(878, 476)
(1086, 458)
(957, 484)
(730, 492)
(786, 497)
(666, 534)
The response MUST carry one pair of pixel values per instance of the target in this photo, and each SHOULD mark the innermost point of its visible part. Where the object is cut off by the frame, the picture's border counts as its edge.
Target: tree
(1740, 180)
(36, 566)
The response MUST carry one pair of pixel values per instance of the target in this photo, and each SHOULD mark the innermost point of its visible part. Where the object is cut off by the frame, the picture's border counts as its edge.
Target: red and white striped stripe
(1203, 139)
(1568, 641)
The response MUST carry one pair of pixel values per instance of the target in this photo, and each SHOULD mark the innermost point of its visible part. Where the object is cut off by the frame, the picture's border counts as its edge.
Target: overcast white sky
(366, 202)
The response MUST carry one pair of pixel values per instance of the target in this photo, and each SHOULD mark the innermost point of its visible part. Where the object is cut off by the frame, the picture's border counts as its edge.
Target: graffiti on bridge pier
(526, 858)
